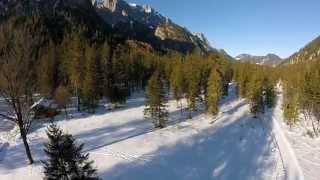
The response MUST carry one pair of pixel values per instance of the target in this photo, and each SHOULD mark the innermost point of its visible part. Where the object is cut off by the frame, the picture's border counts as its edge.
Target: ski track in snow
(125, 146)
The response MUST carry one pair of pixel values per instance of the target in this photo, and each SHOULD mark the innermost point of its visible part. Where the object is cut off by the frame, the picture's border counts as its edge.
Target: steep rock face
(204, 40)
(111, 4)
(146, 24)
(269, 59)
(118, 11)
(170, 31)
(311, 52)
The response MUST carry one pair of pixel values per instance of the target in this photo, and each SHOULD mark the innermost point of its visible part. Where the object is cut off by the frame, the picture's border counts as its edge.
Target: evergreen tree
(90, 90)
(291, 109)
(269, 94)
(47, 71)
(214, 92)
(177, 83)
(74, 61)
(119, 91)
(256, 102)
(193, 79)
(156, 100)
(62, 98)
(256, 93)
(66, 160)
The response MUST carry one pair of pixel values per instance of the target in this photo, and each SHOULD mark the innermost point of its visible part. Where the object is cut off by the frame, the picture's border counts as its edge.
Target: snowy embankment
(304, 151)
(290, 165)
(125, 146)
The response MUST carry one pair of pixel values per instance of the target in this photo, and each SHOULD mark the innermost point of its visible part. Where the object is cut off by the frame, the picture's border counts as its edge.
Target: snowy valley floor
(124, 145)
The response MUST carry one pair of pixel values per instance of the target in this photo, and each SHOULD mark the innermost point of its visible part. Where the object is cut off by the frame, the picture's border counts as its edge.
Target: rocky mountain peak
(204, 39)
(144, 22)
(108, 4)
(111, 4)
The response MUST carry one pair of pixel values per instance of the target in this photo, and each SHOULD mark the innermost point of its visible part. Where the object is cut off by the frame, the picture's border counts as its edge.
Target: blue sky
(256, 27)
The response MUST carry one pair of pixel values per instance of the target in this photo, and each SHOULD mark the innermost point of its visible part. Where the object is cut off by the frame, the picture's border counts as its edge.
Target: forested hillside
(310, 52)
(121, 77)
(62, 49)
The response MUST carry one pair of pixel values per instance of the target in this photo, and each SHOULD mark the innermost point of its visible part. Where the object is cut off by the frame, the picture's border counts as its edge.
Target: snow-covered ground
(305, 148)
(125, 146)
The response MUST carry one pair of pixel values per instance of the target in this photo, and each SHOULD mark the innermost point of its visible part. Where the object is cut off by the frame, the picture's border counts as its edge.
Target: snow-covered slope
(305, 150)
(125, 146)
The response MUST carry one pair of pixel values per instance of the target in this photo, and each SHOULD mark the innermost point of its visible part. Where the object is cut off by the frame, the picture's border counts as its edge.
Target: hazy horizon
(250, 26)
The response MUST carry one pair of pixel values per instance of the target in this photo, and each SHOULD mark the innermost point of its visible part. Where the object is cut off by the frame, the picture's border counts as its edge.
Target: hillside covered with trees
(75, 79)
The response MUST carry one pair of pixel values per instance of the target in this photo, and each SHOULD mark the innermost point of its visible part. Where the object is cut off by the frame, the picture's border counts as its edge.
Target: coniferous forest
(76, 64)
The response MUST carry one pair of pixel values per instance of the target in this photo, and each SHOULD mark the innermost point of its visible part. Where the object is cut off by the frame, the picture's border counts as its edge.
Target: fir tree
(256, 102)
(47, 71)
(177, 83)
(193, 79)
(269, 94)
(66, 160)
(256, 94)
(74, 61)
(62, 98)
(156, 100)
(214, 92)
(291, 109)
(90, 90)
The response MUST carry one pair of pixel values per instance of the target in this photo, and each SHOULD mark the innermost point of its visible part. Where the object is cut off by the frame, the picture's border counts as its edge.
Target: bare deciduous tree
(15, 78)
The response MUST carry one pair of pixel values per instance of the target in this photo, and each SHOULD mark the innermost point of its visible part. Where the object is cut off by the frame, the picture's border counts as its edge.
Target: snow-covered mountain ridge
(269, 59)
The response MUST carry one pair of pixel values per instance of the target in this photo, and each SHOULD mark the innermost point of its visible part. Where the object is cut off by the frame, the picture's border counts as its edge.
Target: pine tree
(256, 94)
(74, 61)
(47, 71)
(177, 83)
(156, 100)
(214, 92)
(119, 91)
(193, 79)
(269, 94)
(90, 90)
(256, 102)
(291, 107)
(62, 98)
(66, 160)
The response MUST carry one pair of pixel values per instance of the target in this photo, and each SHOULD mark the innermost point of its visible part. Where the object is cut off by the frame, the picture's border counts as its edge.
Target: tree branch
(8, 117)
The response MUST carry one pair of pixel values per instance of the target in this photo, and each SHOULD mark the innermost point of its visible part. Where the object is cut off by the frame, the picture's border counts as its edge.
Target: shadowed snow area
(125, 146)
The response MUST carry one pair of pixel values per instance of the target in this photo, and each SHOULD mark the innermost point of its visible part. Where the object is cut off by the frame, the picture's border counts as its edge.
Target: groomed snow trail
(124, 145)
(290, 168)
(303, 152)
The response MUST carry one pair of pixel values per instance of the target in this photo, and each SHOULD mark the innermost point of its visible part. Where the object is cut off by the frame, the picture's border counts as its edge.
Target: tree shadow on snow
(236, 150)
(108, 135)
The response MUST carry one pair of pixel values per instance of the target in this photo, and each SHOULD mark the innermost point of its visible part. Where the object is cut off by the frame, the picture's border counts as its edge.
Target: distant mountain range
(311, 52)
(269, 59)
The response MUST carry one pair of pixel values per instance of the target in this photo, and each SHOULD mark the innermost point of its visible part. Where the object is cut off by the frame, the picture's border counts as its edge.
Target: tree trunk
(181, 107)
(190, 113)
(78, 103)
(25, 142)
(66, 112)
